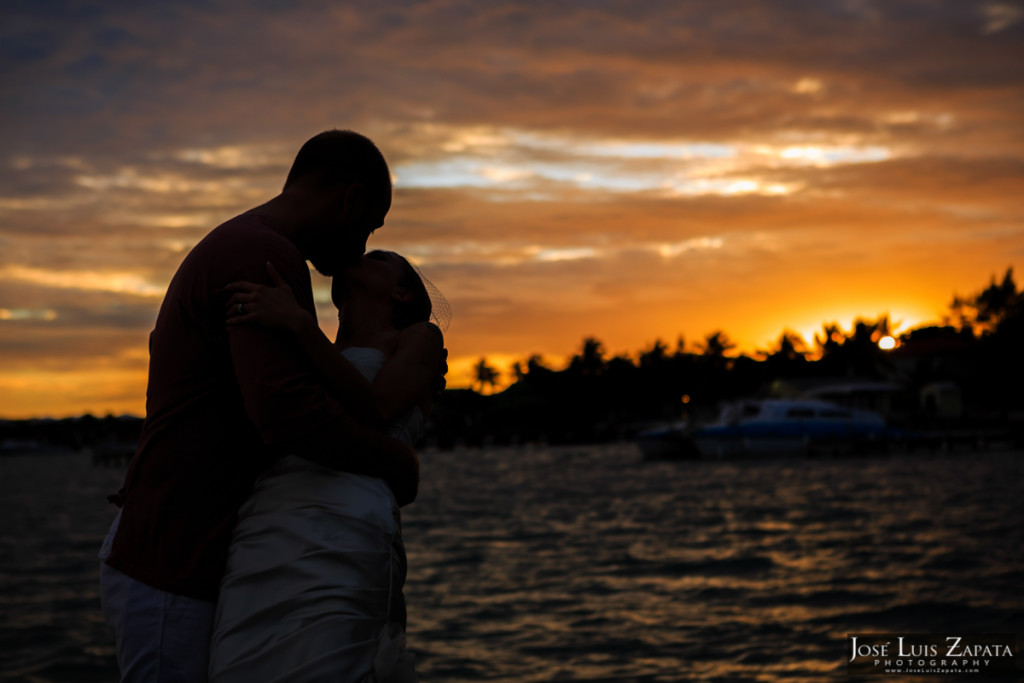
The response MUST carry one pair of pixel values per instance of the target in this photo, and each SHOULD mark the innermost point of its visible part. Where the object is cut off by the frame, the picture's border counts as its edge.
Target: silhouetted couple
(259, 535)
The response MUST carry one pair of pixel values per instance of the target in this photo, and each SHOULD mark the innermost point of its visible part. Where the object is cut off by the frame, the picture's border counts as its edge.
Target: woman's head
(416, 306)
(388, 277)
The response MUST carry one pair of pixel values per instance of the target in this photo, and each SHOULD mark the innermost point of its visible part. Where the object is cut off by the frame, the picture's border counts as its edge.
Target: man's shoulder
(239, 249)
(246, 238)
(249, 231)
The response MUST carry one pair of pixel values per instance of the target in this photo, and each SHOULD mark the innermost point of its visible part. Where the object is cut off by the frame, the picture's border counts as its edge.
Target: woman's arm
(343, 381)
(276, 307)
(411, 375)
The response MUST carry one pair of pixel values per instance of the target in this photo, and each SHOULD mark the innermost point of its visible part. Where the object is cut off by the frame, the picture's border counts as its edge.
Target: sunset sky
(624, 170)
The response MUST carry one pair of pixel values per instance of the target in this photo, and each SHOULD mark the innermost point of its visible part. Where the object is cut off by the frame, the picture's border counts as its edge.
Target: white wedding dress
(313, 585)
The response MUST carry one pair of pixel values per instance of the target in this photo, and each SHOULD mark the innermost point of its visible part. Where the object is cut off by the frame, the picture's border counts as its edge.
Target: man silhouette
(224, 401)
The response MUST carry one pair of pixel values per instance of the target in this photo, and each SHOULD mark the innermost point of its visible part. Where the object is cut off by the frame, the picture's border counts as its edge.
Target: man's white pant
(160, 637)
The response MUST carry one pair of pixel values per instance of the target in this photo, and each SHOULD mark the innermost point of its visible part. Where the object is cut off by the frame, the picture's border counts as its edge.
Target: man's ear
(355, 199)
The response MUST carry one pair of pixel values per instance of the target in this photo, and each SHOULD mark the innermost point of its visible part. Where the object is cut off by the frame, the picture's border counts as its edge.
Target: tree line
(976, 345)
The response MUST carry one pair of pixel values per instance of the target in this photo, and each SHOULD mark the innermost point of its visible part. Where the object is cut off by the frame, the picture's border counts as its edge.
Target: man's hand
(364, 451)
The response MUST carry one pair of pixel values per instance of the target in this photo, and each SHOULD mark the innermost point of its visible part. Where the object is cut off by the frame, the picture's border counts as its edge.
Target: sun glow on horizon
(749, 343)
(901, 320)
(45, 393)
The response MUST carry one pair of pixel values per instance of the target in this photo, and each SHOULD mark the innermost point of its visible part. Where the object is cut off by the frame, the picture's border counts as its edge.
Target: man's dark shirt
(222, 402)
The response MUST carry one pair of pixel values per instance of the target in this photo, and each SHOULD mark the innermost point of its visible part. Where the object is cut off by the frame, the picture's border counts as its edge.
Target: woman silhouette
(313, 584)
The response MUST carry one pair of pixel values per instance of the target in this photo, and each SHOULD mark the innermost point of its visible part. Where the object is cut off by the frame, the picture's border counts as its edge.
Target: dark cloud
(174, 73)
(60, 348)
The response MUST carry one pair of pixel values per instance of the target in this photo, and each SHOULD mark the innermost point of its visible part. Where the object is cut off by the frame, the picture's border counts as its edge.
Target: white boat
(787, 427)
(765, 427)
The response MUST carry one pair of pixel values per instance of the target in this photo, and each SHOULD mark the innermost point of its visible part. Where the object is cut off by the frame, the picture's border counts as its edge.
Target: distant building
(942, 400)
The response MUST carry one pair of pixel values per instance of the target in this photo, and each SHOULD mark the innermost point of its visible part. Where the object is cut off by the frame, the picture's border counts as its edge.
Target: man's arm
(292, 410)
(368, 452)
(276, 307)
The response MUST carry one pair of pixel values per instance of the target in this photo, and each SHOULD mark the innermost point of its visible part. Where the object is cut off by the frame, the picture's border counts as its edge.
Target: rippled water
(545, 564)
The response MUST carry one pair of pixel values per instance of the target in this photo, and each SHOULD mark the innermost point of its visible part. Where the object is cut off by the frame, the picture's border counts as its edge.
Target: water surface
(584, 563)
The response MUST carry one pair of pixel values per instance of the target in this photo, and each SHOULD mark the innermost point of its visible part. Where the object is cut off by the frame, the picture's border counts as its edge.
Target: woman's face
(377, 272)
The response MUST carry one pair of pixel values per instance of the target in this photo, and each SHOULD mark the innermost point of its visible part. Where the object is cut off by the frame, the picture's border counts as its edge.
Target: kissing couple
(259, 535)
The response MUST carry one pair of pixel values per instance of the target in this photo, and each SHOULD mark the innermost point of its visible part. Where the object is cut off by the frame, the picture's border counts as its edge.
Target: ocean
(587, 564)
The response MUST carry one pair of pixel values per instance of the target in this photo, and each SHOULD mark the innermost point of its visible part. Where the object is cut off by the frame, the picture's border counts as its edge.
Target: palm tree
(982, 313)
(713, 351)
(530, 370)
(717, 344)
(519, 371)
(655, 356)
(996, 302)
(855, 353)
(485, 375)
(830, 340)
(590, 361)
(864, 358)
(680, 346)
(790, 347)
(535, 365)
